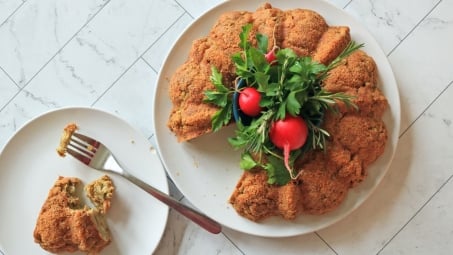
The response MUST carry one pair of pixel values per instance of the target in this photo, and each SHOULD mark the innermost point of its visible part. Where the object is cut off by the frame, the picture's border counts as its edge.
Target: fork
(96, 155)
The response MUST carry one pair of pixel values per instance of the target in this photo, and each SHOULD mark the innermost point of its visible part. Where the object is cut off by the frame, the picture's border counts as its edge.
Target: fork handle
(197, 217)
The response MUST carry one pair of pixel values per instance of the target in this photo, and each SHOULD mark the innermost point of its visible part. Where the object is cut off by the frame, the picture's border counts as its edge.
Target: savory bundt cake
(304, 31)
(357, 137)
(64, 224)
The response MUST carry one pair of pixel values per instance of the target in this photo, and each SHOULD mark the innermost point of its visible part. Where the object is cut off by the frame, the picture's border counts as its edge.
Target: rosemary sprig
(291, 86)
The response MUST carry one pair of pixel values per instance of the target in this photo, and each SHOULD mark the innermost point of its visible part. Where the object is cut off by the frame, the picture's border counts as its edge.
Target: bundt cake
(357, 137)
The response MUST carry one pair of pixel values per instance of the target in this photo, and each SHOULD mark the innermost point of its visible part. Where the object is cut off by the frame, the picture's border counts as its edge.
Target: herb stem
(270, 152)
(291, 85)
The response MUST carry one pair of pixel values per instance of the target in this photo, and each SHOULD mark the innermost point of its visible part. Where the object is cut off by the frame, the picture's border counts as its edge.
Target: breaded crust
(358, 138)
(331, 43)
(65, 225)
(304, 31)
(253, 198)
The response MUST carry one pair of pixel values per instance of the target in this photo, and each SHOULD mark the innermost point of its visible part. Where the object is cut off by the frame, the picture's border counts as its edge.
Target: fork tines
(82, 147)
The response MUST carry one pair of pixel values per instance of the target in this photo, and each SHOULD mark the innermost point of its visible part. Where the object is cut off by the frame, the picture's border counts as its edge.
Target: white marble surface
(106, 54)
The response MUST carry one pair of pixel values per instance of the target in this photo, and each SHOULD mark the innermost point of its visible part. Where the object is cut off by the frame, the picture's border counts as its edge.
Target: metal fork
(94, 154)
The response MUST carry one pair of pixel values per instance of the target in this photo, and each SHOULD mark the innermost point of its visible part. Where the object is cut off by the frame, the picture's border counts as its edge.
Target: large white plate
(206, 170)
(29, 165)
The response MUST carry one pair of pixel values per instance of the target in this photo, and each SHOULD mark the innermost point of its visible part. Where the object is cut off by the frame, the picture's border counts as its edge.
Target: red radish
(288, 134)
(249, 101)
(270, 56)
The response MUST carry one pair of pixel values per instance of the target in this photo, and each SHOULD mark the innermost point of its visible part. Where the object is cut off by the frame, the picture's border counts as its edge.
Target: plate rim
(389, 76)
(88, 110)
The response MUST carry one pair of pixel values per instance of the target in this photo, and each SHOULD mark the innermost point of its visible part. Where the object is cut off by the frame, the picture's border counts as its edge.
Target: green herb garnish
(289, 85)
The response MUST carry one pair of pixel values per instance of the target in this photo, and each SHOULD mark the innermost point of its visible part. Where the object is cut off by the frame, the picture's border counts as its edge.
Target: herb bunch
(289, 85)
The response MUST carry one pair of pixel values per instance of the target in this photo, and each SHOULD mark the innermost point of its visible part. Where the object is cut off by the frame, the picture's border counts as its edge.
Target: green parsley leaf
(258, 60)
(292, 104)
(262, 79)
(245, 44)
(263, 42)
(216, 79)
(217, 98)
(222, 117)
(220, 97)
(276, 171)
(281, 113)
(291, 85)
(247, 162)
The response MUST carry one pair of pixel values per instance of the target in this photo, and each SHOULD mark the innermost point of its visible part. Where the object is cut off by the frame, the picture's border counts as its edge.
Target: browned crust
(304, 31)
(331, 44)
(253, 198)
(65, 225)
(358, 138)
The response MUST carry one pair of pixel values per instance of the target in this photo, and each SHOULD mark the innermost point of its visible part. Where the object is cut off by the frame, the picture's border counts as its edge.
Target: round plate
(29, 165)
(207, 169)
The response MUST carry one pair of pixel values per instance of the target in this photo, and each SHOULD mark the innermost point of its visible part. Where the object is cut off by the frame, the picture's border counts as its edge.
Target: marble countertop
(107, 53)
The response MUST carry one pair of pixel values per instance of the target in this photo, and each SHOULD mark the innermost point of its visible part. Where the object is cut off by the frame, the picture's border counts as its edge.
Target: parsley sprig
(291, 85)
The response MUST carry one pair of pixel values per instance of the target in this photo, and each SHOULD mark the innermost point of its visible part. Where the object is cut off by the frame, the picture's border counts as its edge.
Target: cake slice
(65, 224)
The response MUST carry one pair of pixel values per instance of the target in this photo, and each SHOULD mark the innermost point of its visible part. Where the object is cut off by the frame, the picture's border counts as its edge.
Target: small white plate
(206, 169)
(29, 165)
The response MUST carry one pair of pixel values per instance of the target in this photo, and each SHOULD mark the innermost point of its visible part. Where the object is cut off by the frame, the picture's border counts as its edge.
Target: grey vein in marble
(7, 8)
(7, 89)
(102, 54)
(390, 21)
(49, 23)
